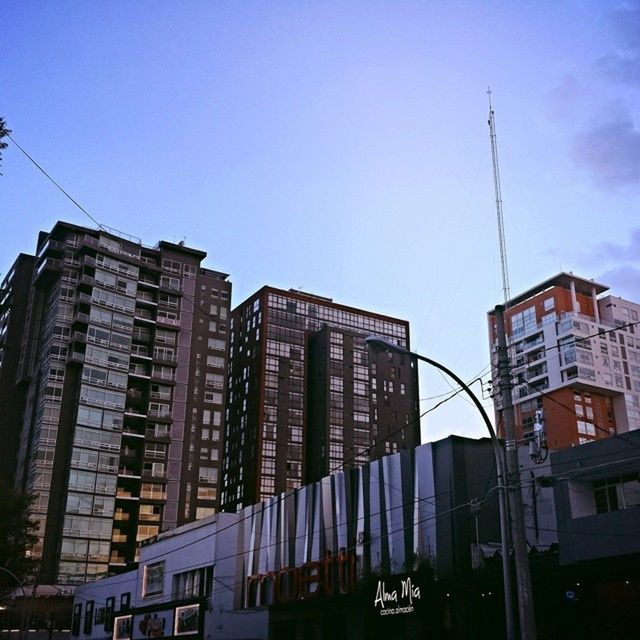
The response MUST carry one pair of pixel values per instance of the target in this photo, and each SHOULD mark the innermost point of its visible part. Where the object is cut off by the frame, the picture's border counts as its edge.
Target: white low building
(184, 586)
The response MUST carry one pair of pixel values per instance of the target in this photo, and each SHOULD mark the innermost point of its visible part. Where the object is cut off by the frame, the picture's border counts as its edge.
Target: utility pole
(518, 536)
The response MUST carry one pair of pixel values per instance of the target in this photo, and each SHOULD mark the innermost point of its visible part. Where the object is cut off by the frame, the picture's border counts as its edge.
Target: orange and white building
(574, 351)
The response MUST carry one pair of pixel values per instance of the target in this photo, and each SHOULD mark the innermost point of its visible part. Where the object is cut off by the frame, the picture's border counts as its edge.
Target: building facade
(305, 396)
(120, 376)
(182, 588)
(14, 293)
(401, 547)
(575, 354)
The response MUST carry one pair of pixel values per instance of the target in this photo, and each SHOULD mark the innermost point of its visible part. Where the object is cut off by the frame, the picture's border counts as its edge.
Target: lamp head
(379, 344)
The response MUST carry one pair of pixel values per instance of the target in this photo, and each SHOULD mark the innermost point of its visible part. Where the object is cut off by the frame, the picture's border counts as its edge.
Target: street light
(377, 343)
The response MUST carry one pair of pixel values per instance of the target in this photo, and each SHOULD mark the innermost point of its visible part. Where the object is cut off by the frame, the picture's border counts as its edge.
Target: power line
(44, 172)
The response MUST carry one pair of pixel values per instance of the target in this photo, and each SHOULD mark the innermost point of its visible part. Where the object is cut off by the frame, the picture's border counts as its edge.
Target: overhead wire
(56, 184)
(208, 315)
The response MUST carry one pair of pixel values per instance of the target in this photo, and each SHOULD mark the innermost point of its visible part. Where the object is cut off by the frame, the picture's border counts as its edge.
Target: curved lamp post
(377, 343)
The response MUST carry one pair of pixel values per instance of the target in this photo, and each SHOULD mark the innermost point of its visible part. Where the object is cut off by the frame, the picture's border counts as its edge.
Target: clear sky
(339, 147)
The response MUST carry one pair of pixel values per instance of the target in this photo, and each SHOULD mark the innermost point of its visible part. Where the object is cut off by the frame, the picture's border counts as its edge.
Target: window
(208, 474)
(152, 491)
(216, 344)
(204, 512)
(207, 493)
(156, 469)
(523, 321)
(75, 620)
(148, 531)
(619, 492)
(360, 388)
(165, 336)
(193, 584)
(155, 450)
(586, 428)
(170, 283)
(171, 266)
(213, 396)
(110, 606)
(215, 361)
(150, 512)
(88, 618)
(214, 380)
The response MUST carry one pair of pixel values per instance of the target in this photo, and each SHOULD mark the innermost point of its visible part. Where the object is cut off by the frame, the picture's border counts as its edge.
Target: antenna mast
(496, 184)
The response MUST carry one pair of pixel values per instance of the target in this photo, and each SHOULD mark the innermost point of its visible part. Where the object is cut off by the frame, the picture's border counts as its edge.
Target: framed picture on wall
(122, 628)
(187, 620)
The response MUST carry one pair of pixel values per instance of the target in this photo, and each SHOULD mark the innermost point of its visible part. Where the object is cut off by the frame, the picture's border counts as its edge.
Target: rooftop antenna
(496, 184)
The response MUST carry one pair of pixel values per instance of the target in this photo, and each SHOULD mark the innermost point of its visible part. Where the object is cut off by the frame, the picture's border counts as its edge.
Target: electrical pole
(518, 536)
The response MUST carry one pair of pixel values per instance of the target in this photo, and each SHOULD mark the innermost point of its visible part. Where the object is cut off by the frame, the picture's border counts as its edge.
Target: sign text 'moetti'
(334, 574)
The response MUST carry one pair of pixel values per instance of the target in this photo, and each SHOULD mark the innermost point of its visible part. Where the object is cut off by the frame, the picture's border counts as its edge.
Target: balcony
(135, 412)
(158, 395)
(163, 377)
(47, 271)
(160, 414)
(51, 246)
(146, 281)
(141, 336)
(536, 372)
(139, 351)
(145, 297)
(144, 315)
(158, 436)
(125, 494)
(128, 472)
(154, 475)
(164, 357)
(76, 357)
(88, 281)
(78, 336)
(130, 433)
(154, 495)
(134, 394)
(169, 322)
(81, 318)
(138, 370)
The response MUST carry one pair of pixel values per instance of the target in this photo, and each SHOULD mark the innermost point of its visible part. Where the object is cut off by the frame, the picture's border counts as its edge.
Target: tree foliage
(3, 133)
(17, 537)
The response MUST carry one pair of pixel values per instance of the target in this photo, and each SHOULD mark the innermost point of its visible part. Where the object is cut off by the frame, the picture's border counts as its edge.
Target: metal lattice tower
(496, 183)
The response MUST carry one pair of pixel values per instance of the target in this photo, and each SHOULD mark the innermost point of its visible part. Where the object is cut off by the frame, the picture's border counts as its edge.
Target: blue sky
(340, 147)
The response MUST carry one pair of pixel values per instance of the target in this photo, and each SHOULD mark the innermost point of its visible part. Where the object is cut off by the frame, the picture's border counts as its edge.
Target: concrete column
(596, 311)
(574, 300)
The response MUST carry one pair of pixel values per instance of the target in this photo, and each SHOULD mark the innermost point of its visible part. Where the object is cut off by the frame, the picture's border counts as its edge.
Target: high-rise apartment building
(575, 353)
(114, 388)
(305, 395)
(14, 293)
